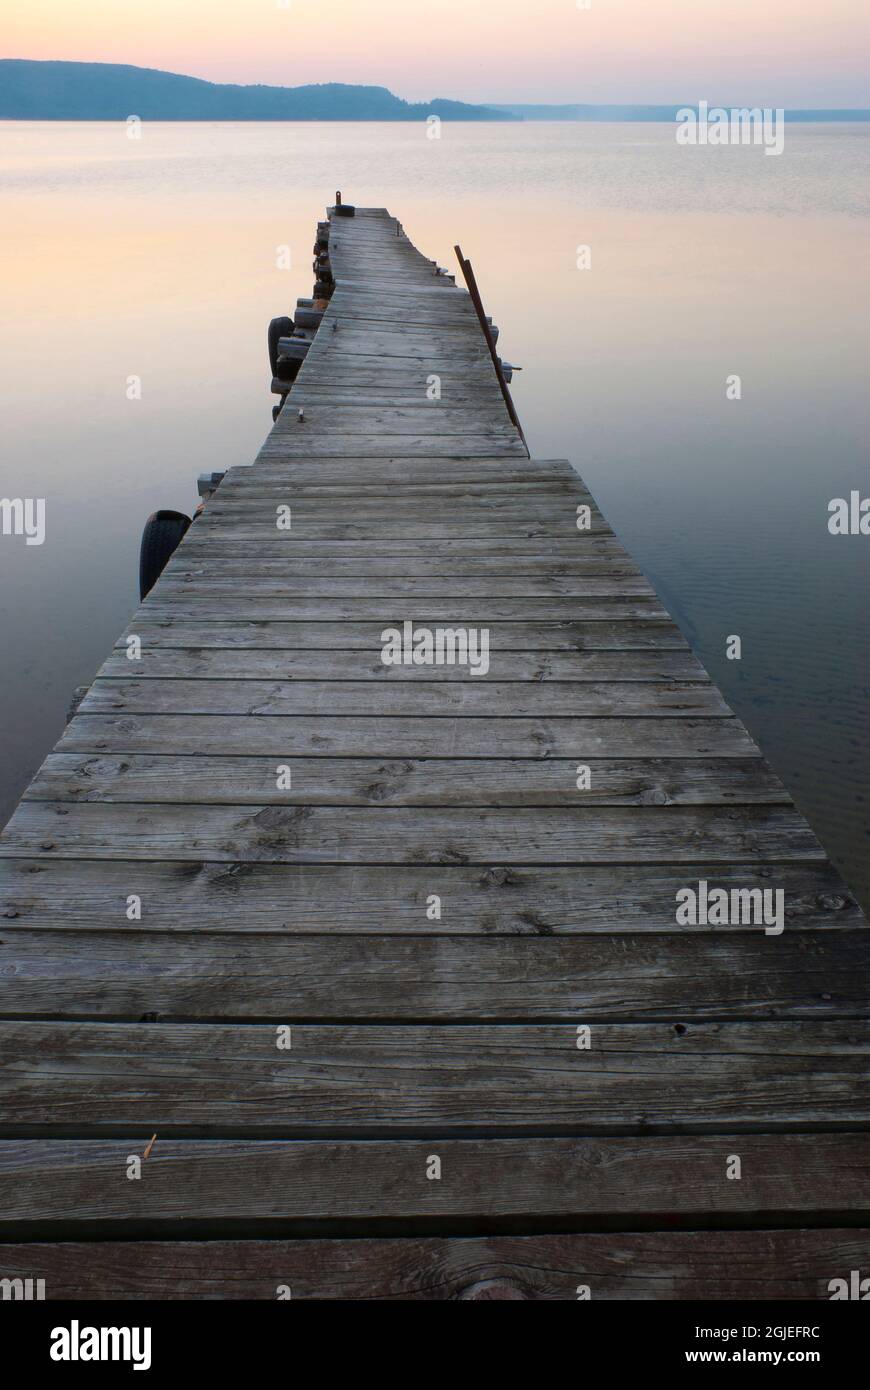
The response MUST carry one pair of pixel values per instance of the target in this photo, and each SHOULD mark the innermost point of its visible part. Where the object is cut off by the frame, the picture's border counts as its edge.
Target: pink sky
(762, 52)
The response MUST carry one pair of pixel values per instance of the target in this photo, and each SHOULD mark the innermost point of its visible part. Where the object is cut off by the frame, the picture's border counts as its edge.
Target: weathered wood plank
(434, 525)
(433, 835)
(414, 445)
(411, 504)
(453, 396)
(272, 469)
(195, 896)
(440, 358)
(403, 736)
(416, 312)
(448, 548)
(751, 1266)
(619, 582)
(441, 327)
(122, 975)
(455, 347)
(258, 484)
(344, 330)
(222, 663)
(163, 630)
(470, 698)
(410, 782)
(413, 377)
(452, 303)
(352, 477)
(195, 604)
(372, 368)
(360, 1080)
(363, 421)
(435, 290)
(323, 519)
(351, 473)
(402, 290)
(298, 563)
(569, 1181)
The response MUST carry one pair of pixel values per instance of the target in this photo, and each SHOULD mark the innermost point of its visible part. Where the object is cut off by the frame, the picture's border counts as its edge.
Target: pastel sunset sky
(759, 52)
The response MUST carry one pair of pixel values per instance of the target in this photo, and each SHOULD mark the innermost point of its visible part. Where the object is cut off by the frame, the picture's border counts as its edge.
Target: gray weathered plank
(543, 572)
(564, 1180)
(195, 603)
(353, 473)
(359, 1080)
(558, 501)
(160, 629)
(411, 782)
(446, 549)
(433, 835)
(470, 698)
(404, 736)
(117, 975)
(716, 1265)
(194, 895)
(228, 663)
(414, 445)
(382, 421)
(617, 581)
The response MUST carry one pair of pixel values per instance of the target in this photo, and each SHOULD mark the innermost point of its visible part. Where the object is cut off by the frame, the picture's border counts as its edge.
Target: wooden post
(338, 199)
(471, 282)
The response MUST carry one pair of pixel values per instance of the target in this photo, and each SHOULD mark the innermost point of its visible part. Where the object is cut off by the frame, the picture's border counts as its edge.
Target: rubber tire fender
(278, 328)
(160, 539)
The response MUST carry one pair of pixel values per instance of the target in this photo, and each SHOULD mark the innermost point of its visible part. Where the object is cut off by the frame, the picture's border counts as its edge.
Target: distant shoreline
(800, 118)
(60, 91)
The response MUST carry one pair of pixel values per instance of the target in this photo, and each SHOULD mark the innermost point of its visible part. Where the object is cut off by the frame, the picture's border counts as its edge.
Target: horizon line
(495, 105)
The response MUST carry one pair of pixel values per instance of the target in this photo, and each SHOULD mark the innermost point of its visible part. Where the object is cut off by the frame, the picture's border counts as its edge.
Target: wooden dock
(424, 1022)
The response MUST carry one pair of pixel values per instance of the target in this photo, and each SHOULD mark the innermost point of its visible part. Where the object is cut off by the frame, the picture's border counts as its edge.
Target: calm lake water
(157, 258)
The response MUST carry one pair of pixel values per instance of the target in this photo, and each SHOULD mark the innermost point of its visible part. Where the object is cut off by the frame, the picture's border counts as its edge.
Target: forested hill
(36, 91)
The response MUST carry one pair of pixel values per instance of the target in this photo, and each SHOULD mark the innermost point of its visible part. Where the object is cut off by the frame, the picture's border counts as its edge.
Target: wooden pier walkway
(434, 908)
